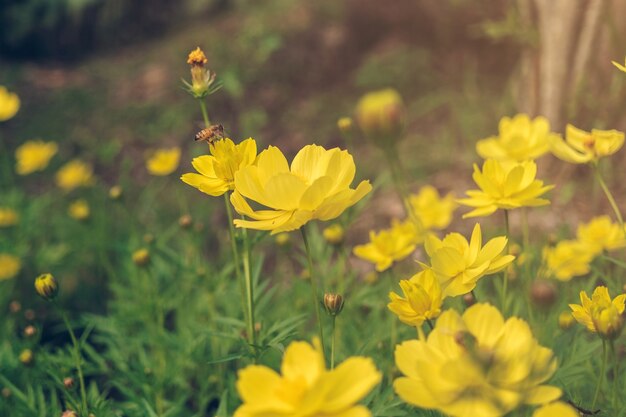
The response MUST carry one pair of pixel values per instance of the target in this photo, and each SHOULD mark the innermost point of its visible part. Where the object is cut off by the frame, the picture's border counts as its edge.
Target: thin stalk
(236, 259)
(605, 354)
(205, 115)
(79, 369)
(616, 374)
(430, 324)
(609, 196)
(249, 292)
(399, 180)
(420, 333)
(394, 325)
(314, 295)
(505, 281)
(332, 342)
(525, 232)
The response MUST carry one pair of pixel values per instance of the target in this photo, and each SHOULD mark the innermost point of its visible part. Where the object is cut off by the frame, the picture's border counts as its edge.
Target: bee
(211, 133)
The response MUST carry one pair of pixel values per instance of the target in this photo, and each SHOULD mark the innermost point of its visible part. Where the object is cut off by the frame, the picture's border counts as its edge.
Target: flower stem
(505, 281)
(205, 115)
(399, 180)
(616, 373)
(332, 342)
(609, 196)
(313, 280)
(77, 361)
(249, 293)
(605, 354)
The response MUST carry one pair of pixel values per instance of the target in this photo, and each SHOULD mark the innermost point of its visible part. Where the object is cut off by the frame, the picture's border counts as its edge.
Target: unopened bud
(141, 257)
(185, 221)
(282, 239)
(381, 116)
(371, 277)
(30, 331)
(334, 234)
(148, 238)
(115, 192)
(69, 413)
(469, 299)
(566, 320)
(543, 293)
(68, 382)
(46, 286)
(29, 314)
(27, 357)
(15, 306)
(333, 303)
(6, 392)
(345, 125)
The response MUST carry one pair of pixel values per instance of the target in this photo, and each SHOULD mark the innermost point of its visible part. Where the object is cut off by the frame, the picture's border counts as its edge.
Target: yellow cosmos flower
(505, 186)
(568, 259)
(599, 314)
(474, 365)
(556, 409)
(163, 161)
(620, 66)
(217, 171)
(9, 266)
(316, 186)
(459, 264)
(580, 147)
(519, 139)
(305, 388)
(381, 116)
(79, 210)
(389, 245)
(422, 299)
(433, 211)
(601, 234)
(9, 104)
(8, 217)
(74, 174)
(34, 155)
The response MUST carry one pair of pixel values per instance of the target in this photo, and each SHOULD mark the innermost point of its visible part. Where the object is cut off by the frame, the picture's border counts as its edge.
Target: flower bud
(345, 125)
(27, 357)
(15, 307)
(69, 413)
(469, 299)
(68, 382)
(6, 392)
(46, 286)
(141, 257)
(185, 221)
(333, 303)
(381, 116)
(115, 192)
(282, 239)
(371, 277)
(566, 320)
(201, 77)
(543, 293)
(29, 314)
(30, 331)
(334, 234)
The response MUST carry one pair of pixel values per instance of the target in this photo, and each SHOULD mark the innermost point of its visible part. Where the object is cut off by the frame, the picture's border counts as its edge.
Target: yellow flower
(422, 299)
(504, 186)
(568, 259)
(474, 365)
(9, 104)
(389, 245)
(601, 234)
(556, 409)
(34, 155)
(141, 257)
(163, 161)
(433, 211)
(334, 234)
(381, 116)
(217, 171)
(47, 286)
(305, 388)
(519, 139)
(459, 264)
(599, 314)
(8, 217)
(79, 210)
(74, 174)
(316, 186)
(619, 66)
(9, 266)
(580, 147)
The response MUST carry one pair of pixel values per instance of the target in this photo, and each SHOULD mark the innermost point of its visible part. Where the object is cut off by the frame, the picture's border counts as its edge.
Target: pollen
(197, 57)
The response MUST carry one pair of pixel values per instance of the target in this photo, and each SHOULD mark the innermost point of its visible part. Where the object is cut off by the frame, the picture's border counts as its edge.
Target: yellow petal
(350, 382)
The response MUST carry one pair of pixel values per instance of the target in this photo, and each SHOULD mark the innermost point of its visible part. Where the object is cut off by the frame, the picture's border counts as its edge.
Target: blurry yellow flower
(163, 161)
(580, 147)
(79, 210)
(34, 155)
(8, 217)
(619, 66)
(601, 234)
(389, 245)
(334, 234)
(345, 125)
(599, 314)
(504, 186)
(282, 239)
(316, 186)
(9, 104)
(217, 171)
(519, 139)
(9, 266)
(74, 174)
(475, 365)
(433, 211)
(381, 116)
(556, 409)
(305, 388)
(141, 257)
(568, 259)
(566, 320)
(459, 264)
(422, 299)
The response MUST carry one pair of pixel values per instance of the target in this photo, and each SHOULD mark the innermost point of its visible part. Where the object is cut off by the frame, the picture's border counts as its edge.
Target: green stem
(316, 303)
(430, 324)
(77, 360)
(609, 196)
(616, 374)
(249, 292)
(505, 281)
(332, 342)
(205, 115)
(398, 176)
(605, 354)
(525, 232)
